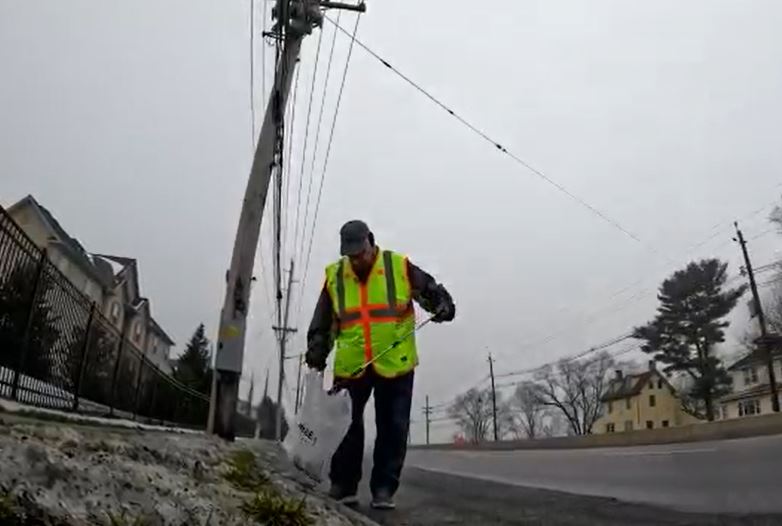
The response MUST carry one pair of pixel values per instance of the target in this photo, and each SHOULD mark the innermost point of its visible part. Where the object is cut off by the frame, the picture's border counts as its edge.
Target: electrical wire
(287, 180)
(263, 52)
(328, 149)
(612, 308)
(317, 139)
(483, 135)
(578, 356)
(252, 70)
(306, 141)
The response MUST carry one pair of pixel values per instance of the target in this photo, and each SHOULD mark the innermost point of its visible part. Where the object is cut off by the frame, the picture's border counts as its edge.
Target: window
(137, 331)
(609, 428)
(749, 407)
(628, 403)
(659, 384)
(750, 376)
(665, 423)
(652, 401)
(649, 424)
(651, 384)
(610, 407)
(628, 425)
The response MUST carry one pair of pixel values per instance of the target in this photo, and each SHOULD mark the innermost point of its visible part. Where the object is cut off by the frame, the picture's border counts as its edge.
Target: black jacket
(323, 328)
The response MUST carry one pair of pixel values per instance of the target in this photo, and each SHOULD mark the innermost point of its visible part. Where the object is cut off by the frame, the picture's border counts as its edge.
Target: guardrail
(58, 351)
(721, 430)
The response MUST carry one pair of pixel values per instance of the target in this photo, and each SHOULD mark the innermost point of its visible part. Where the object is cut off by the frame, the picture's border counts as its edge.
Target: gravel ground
(75, 475)
(429, 499)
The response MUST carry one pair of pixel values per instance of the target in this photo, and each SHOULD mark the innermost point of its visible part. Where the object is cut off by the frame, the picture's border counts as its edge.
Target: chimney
(618, 374)
(652, 365)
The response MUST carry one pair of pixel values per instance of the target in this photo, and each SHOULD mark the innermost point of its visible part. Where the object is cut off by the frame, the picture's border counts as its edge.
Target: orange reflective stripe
(376, 316)
(368, 306)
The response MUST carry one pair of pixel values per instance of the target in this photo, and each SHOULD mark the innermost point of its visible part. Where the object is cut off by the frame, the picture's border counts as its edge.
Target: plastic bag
(320, 426)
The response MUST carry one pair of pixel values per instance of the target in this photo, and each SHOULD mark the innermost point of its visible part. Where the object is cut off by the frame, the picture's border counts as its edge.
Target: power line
(252, 69)
(578, 356)
(612, 308)
(328, 149)
(287, 181)
(263, 53)
(483, 135)
(317, 138)
(306, 141)
(613, 356)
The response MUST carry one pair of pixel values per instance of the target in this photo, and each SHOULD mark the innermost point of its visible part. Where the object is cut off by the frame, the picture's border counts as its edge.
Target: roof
(71, 245)
(756, 356)
(756, 390)
(159, 330)
(109, 261)
(627, 386)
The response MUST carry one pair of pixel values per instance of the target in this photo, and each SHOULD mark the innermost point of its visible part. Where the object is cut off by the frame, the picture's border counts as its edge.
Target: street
(733, 476)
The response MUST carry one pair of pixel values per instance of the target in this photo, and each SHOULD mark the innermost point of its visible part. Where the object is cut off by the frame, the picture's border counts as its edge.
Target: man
(365, 308)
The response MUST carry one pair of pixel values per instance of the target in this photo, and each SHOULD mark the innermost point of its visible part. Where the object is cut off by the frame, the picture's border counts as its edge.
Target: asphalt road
(428, 498)
(733, 476)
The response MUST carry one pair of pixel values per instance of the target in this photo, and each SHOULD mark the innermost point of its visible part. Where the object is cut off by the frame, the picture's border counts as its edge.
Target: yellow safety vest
(372, 316)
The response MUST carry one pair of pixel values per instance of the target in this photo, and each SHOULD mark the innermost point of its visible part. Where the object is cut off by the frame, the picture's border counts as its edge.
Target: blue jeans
(393, 397)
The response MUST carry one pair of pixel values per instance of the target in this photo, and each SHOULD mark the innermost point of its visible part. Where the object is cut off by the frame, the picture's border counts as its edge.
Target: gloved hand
(446, 310)
(316, 357)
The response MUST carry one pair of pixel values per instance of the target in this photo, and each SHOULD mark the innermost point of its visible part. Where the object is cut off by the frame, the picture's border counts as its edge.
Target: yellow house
(640, 401)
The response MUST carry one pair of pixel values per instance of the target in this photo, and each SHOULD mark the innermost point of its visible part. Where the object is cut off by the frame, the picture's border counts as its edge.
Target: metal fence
(58, 351)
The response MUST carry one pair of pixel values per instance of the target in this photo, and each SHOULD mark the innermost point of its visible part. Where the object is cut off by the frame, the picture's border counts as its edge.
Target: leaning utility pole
(283, 336)
(764, 338)
(294, 20)
(493, 398)
(427, 414)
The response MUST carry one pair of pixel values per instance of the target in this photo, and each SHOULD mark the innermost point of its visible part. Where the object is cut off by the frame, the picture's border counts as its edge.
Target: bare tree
(473, 413)
(575, 389)
(553, 424)
(526, 411)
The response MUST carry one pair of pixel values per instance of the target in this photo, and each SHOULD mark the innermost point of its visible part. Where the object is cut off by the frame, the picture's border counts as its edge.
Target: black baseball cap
(354, 237)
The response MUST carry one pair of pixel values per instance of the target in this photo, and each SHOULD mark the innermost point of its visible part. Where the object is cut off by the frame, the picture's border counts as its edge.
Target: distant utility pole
(428, 414)
(493, 398)
(765, 341)
(294, 20)
(298, 385)
(283, 336)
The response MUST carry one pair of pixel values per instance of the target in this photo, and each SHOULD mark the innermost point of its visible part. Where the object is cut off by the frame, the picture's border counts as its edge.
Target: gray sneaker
(343, 496)
(383, 500)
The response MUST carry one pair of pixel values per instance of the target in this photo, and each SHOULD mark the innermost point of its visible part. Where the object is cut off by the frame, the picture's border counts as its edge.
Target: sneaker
(383, 500)
(341, 495)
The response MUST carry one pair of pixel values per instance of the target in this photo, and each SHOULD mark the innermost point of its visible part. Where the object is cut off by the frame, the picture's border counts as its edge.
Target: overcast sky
(131, 122)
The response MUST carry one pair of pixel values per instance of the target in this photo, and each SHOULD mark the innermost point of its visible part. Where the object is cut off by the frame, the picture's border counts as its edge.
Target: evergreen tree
(689, 322)
(194, 367)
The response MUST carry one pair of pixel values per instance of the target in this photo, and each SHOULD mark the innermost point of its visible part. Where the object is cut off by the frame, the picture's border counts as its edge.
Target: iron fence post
(138, 386)
(20, 362)
(83, 357)
(120, 348)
